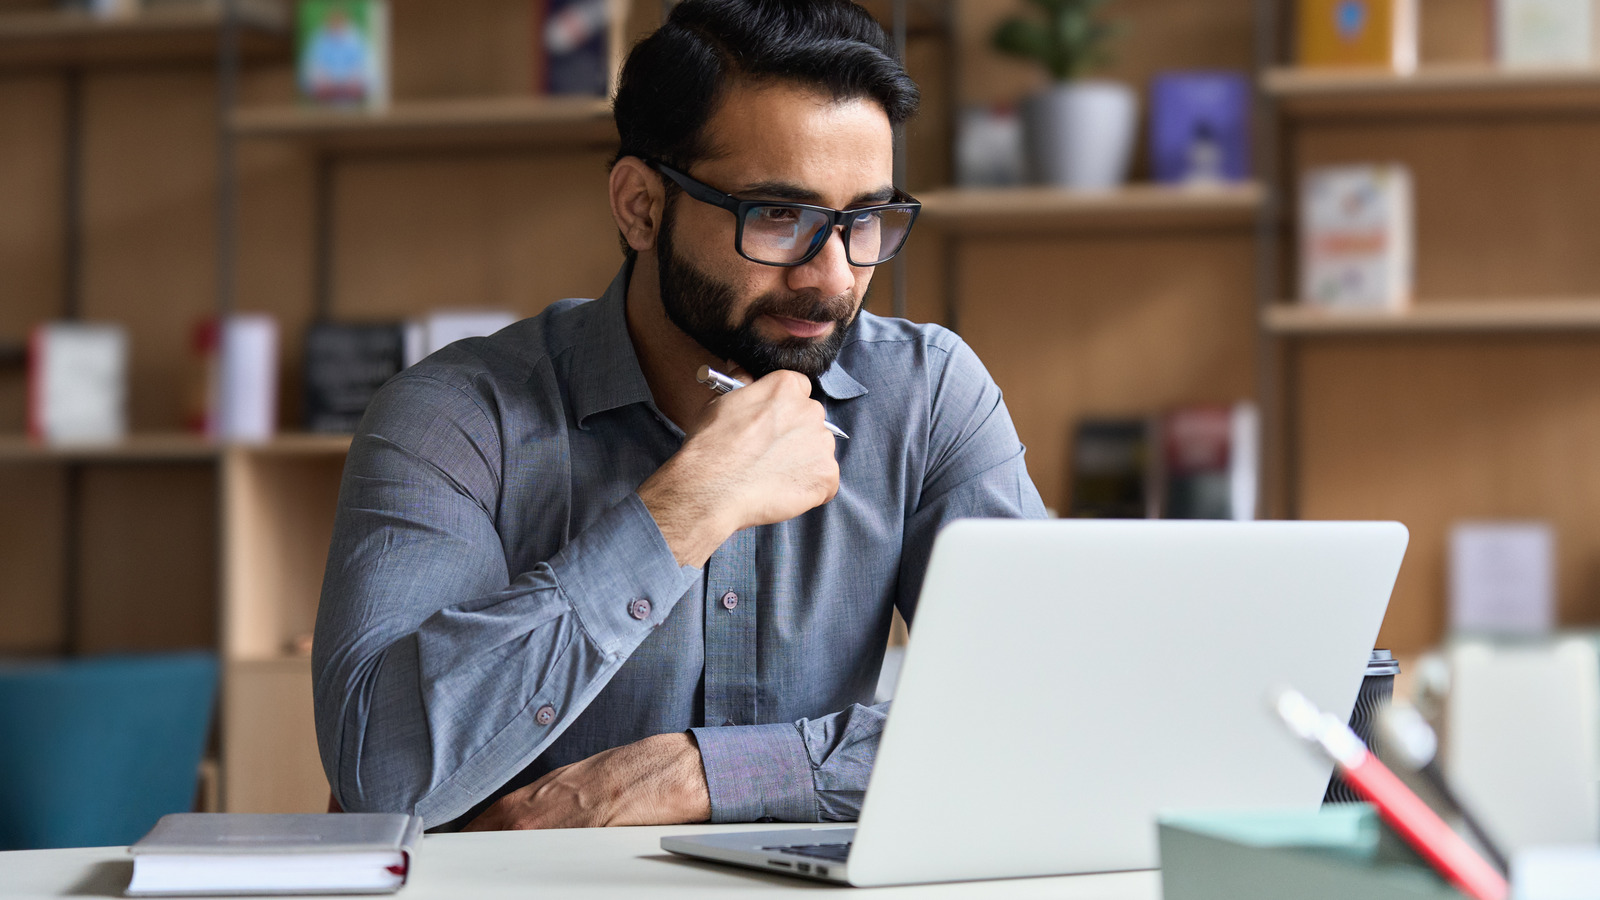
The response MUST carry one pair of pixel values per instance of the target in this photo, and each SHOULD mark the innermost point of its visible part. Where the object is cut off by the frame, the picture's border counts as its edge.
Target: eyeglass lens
(784, 234)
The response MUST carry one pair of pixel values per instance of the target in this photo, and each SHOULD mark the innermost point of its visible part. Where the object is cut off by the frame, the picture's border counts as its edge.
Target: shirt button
(545, 715)
(730, 600)
(640, 608)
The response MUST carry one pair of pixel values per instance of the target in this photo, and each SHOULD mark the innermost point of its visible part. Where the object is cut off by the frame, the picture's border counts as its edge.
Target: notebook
(244, 854)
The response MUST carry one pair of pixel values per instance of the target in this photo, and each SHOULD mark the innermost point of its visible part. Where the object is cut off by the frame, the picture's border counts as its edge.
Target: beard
(702, 307)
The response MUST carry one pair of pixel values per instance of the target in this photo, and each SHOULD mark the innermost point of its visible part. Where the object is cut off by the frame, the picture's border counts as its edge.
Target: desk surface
(613, 862)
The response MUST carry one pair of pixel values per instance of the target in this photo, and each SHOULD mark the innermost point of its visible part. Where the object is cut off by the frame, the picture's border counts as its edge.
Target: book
(1357, 33)
(426, 336)
(1545, 32)
(1210, 467)
(989, 147)
(1502, 577)
(1339, 852)
(236, 397)
(345, 365)
(274, 853)
(1200, 127)
(78, 383)
(1112, 470)
(342, 52)
(1356, 237)
(580, 42)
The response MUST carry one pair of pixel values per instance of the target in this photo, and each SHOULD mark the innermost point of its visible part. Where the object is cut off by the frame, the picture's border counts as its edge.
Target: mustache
(809, 306)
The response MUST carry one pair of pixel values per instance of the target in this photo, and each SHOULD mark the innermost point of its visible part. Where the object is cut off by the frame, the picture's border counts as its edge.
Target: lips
(802, 328)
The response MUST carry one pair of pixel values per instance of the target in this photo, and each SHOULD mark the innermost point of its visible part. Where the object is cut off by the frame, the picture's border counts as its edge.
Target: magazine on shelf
(1357, 243)
(439, 329)
(1113, 470)
(236, 391)
(1357, 33)
(78, 383)
(581, 45)
(342, 53)
(345, 365)
(1200, 127)
(1210, 462)
(1535, 33)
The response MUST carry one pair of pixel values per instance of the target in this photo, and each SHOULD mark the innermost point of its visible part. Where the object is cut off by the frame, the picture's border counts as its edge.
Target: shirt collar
(606, 373)
(837, 383)
(605, 369)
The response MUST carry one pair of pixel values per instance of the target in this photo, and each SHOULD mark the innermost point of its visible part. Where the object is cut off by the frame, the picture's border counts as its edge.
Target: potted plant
(1079, 131)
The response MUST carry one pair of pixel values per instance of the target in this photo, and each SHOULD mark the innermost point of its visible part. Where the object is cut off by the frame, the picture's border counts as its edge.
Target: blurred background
(1241, 258)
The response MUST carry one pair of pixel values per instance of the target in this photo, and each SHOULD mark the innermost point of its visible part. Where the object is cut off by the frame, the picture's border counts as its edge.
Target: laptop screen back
(1068, 680)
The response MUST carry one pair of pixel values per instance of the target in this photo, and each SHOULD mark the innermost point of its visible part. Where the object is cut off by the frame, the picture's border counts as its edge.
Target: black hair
(674, 79)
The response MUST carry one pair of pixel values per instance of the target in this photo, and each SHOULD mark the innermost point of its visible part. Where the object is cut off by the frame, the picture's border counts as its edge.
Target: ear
(637, 201)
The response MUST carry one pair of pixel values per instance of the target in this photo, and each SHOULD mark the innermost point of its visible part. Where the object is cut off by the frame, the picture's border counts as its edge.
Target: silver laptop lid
(1067, 680)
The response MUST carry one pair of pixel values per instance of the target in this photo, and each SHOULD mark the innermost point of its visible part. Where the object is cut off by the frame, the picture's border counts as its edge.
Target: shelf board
(1029, 209)
(1435, 89)
(299, 444)
(1439, 317)
(162, 447)
(520, 121)
(179, 33)
(138, 448)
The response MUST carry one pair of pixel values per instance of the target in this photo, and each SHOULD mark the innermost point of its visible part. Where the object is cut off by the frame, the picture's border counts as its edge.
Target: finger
(789, 383)
(734, 370)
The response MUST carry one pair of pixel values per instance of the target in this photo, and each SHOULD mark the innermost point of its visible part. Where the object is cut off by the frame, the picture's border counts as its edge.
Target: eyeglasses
(775, 233)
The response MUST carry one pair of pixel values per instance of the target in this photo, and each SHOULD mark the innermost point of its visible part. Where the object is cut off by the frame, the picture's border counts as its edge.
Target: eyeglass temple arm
(703, 193)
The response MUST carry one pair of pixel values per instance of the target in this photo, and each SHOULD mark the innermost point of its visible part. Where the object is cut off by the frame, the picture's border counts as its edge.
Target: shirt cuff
(756, 772)
(621, 577)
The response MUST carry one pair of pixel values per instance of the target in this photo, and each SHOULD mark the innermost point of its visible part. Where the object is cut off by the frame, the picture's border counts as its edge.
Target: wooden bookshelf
(137, 448)
(1030, 209)
(1433, 90)
(1439, 317)
(184, 32)
(526, 121)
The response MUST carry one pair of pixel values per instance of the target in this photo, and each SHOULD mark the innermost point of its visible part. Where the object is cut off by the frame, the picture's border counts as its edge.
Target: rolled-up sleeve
(437, 672)
(814, 770)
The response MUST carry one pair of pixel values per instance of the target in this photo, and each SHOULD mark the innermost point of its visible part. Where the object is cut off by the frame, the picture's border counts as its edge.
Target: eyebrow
(783, 190)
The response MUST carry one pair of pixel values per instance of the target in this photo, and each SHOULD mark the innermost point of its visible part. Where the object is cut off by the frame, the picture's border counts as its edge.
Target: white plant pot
(1080, 134)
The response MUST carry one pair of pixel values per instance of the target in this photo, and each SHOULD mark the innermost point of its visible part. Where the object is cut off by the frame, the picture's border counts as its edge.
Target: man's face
(775, 142)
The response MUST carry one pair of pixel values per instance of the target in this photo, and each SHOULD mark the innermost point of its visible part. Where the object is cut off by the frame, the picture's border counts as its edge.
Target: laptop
(1067, 681)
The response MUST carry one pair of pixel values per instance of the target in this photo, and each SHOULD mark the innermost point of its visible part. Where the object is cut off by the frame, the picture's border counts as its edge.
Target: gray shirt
(498, 602)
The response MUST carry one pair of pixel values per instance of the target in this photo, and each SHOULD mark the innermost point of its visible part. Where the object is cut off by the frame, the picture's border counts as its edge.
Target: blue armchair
(94, 750)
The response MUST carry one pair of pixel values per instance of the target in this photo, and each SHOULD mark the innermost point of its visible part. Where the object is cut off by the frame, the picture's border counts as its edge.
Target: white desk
(579, 863)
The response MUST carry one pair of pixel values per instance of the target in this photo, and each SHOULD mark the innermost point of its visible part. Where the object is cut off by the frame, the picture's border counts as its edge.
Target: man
(568, 585)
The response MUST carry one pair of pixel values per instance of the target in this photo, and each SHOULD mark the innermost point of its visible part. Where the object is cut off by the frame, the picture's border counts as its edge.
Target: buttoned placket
(730, 632)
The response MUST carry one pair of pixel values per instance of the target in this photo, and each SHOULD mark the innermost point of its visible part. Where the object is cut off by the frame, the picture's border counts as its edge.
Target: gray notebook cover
(193, 834)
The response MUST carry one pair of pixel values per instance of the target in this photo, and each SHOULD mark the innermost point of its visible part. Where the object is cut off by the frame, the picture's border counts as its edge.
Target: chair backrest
(94, 750)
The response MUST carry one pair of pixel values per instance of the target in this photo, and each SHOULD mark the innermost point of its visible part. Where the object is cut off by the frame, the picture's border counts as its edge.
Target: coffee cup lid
(1382, 662)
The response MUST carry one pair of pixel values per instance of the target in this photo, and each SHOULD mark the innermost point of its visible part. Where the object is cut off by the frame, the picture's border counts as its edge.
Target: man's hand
(760, 455)
(657, 781)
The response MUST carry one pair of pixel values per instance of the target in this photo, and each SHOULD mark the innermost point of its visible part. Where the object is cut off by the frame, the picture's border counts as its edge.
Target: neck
(668, 357)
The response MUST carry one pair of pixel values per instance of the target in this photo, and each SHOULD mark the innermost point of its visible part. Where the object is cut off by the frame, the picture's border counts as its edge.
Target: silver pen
(722, 384)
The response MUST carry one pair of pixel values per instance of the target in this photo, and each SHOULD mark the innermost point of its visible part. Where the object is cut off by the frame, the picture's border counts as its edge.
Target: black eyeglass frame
(837, 218)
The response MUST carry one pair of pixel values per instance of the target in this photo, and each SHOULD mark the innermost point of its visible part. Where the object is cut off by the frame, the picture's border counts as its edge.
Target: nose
(829, 272)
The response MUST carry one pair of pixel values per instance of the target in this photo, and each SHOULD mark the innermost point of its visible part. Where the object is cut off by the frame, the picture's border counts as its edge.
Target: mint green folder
(1339, 853)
